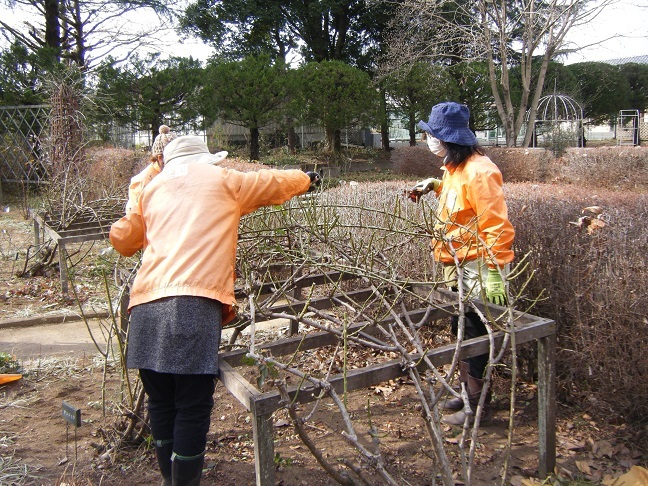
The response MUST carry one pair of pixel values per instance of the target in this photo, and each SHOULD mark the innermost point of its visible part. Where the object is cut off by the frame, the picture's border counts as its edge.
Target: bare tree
(516, 38)
(85, 31)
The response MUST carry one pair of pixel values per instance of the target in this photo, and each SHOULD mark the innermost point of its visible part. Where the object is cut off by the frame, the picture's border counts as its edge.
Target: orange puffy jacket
(471, 202)
(187, 224)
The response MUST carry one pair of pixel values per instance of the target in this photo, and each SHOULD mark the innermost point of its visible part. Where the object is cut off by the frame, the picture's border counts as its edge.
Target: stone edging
(50, 319)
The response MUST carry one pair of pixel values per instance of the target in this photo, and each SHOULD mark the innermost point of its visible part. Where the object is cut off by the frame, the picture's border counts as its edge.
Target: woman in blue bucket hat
(473, 236)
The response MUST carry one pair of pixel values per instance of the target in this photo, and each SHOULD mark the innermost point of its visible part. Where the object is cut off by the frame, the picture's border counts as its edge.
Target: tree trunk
(292, 138)
(411, 126)
(80, 50)
(384, 120)
(53, 26)
(254, 144)
(334, 142)
(533, 107)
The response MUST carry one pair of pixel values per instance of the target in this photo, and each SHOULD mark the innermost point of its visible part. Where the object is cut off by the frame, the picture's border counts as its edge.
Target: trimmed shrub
(617, 167)
(594, 282)
(416, 161)
(525, 165)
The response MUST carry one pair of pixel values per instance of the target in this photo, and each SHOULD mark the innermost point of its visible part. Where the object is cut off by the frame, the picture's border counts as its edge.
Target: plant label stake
(72, 415)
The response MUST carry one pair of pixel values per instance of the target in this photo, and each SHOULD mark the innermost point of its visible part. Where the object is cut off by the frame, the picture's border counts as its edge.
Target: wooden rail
(263, 404)
(88, 224)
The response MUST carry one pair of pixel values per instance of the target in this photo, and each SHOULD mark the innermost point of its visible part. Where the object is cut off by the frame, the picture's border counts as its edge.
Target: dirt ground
(38, 447)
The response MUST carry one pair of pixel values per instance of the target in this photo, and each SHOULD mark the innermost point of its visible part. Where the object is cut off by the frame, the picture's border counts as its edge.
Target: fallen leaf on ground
(584, 467)
(637, 476)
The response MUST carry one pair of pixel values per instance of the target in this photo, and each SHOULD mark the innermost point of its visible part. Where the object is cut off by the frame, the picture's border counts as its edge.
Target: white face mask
(436, 146)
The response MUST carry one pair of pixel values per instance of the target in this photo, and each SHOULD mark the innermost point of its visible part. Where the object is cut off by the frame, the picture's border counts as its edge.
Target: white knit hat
(190, 149)
(165, 136)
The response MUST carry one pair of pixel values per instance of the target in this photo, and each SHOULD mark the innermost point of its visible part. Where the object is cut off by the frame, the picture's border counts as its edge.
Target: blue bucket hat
(449, 123)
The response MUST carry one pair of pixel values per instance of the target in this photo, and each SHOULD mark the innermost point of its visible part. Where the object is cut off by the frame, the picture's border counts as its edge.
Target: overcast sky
(620, 31)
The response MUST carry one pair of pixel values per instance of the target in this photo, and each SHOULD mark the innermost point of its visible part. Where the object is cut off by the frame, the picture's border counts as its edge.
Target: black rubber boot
(474, 388)
(455, 403)
(163, 451)
(186, 471)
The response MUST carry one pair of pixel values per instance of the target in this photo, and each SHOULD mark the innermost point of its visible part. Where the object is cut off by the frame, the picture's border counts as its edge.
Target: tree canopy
(85, 31)
(23, 73)
(336, 96)
(602, 90)
(248, 93)
(506, 35)
(149, 92)
(420, 87)
(316, 31)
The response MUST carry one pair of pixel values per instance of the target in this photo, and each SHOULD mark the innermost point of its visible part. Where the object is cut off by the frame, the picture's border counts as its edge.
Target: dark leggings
(473, 327)
(180, 409)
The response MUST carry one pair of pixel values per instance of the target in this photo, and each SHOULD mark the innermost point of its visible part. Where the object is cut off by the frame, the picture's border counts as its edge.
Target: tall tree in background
(415, 91)
(323, 30)
(238, 28)
(375, 26)
(149, 92)
(22, 73)
(473, 82)
(336, 96)
(85, 31)
(637, 78)
(602, 88)
(349, 31)
(503, 33)
(248, 93)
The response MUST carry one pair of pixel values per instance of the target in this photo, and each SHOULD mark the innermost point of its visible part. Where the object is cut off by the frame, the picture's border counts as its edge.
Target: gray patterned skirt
(178, 335)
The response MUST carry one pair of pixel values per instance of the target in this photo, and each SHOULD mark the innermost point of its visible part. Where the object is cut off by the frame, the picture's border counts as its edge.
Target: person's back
(191, 213)
(186, 221)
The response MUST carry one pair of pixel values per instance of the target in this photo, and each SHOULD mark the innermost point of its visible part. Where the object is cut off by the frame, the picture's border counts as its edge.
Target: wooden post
(63, 267)
(263, 447)
(123, 310)
(36, 233)
(546, 405)
(297, 294)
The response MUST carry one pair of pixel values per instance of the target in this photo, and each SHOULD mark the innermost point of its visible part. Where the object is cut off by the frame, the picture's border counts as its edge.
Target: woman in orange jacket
(186, 221)
(474, 235)
(138, 182)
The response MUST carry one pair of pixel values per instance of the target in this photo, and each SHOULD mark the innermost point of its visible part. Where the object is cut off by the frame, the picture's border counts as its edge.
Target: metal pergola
(559, 122)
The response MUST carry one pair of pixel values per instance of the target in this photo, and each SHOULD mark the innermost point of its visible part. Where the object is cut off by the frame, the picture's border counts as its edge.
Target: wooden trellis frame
(263, 404)
(88, 224)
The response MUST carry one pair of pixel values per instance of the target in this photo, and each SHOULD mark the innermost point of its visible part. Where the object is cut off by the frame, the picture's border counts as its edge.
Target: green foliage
(9, 363)
(247, 92)
(282, 461)
(473, 82)
(149, 92)
(416, 90)
(251, 93)
(603, 90)
(559, 79)
(22, 75)
(637, 77)
(338, 29)
(336, 96)
(240, 28)
(266, 369)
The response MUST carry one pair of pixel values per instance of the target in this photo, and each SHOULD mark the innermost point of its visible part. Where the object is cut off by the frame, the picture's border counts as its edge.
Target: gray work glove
(316, 180)
(423, 187)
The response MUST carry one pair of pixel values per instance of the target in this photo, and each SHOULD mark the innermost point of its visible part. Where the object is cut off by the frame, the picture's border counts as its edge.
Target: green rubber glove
(495, 288)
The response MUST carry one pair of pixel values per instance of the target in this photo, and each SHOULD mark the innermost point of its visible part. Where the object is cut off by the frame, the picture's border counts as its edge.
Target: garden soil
(33, 434)
(37, 446)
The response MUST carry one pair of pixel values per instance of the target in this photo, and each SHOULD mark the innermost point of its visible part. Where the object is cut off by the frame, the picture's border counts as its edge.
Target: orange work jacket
(187, 224)
(139, 182)
(472, 208)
